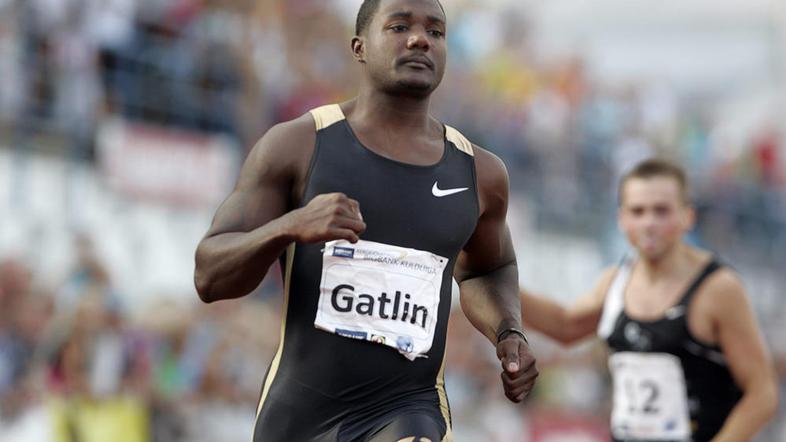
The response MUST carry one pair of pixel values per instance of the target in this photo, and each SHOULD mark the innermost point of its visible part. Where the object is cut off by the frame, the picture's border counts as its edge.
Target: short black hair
(657, 167)
(365, 15)
(367, 11)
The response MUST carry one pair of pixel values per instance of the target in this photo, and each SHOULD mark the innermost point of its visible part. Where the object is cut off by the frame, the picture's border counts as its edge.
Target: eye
(662, 210)
(399, 28)
(436, 33)
(636, 211)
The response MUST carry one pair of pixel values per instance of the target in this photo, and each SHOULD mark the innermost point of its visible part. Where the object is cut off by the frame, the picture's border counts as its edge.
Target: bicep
(585, 313)
(263, 189)
(739, 337)
(490, 245)
(248, 208)
(586, 309)
(489, 248)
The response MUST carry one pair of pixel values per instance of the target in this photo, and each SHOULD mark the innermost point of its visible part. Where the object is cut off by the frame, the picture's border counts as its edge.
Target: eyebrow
(408, 15)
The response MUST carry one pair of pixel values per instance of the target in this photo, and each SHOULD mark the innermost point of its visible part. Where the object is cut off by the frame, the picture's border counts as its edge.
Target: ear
(359, 49)
(689, 218)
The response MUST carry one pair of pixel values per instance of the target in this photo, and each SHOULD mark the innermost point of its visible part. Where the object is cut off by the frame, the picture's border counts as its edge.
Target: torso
(664, 355)
(649, 301)
(330, 381)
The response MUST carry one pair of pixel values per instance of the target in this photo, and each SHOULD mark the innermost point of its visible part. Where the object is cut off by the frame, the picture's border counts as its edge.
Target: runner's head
(401, 45)
(654, 212)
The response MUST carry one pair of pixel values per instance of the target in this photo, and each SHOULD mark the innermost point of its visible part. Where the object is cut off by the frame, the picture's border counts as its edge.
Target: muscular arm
(566, 325)
(249, 230)
(255, 223)
(486, 269)
(488, 278)
(750, 364)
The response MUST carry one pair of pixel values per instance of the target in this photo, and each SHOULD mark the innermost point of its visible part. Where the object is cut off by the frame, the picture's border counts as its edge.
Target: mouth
(417, 63)
(649, 241)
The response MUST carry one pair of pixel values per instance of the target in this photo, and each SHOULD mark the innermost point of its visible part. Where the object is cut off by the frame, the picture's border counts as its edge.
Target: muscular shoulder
(301, 129)
(602, 284)
(722, 295)
(490, 167)
(284, 147)
(493, 181)
(607, 277)
(280, 159)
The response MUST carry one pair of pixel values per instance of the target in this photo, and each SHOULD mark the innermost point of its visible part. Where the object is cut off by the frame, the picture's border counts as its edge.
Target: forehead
(653, 190)
(428, 8)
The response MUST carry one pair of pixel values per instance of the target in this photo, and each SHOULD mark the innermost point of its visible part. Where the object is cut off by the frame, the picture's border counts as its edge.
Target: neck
(672, 262)
(380, 109)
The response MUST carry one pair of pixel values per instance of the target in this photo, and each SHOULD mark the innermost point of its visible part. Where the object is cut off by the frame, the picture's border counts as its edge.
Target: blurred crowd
(75, 350)
(77, 364)
(238, 67)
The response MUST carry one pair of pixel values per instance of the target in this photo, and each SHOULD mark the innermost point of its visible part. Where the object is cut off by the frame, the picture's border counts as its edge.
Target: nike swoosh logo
(439, 193)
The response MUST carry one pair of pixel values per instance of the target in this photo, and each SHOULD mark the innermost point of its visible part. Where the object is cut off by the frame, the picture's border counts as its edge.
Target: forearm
(750, 415)
(230, 265)
(490, 301)
(545, 316)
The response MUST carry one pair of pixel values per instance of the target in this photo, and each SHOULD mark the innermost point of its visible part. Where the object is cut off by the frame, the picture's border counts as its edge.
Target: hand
(518, 367)
(327, 217)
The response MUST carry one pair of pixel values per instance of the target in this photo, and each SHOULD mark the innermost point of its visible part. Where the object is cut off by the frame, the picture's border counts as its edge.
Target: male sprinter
(372, 206)
(687, 358)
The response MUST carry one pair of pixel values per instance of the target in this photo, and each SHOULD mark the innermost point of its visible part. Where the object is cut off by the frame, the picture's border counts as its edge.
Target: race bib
(650, 398)
(381, 293)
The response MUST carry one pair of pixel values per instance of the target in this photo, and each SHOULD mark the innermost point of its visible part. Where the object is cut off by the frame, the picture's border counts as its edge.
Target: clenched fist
(327, 217)
(518, 367)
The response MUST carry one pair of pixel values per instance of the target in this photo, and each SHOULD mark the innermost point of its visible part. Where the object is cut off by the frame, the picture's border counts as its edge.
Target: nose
(418, 40)
(649, 221)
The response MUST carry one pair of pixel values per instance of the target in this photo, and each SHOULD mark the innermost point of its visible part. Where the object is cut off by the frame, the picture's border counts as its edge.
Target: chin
(415, 86)
(654, 253)
(419, 83)
(650, 256)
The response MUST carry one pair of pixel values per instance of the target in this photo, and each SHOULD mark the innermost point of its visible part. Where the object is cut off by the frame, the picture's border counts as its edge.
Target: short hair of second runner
(656, 167)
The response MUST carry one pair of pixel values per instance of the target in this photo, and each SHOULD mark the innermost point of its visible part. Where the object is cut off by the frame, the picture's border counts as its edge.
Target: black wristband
(504, 333)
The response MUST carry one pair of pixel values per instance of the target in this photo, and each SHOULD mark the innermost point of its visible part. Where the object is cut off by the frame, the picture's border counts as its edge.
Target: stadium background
(123, 122)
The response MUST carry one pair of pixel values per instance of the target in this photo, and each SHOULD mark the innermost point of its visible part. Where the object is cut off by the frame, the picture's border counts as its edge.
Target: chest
(666, 326)
(648, 301)
(432, 208)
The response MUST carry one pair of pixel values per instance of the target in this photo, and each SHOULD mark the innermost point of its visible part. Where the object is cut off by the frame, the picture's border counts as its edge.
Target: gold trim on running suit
(443, 400)
(277, 359)
(461, 142)
(326, 116)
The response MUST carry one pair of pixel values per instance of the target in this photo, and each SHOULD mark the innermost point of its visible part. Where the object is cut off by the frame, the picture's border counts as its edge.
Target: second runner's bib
(381, 293)
(650, 399)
